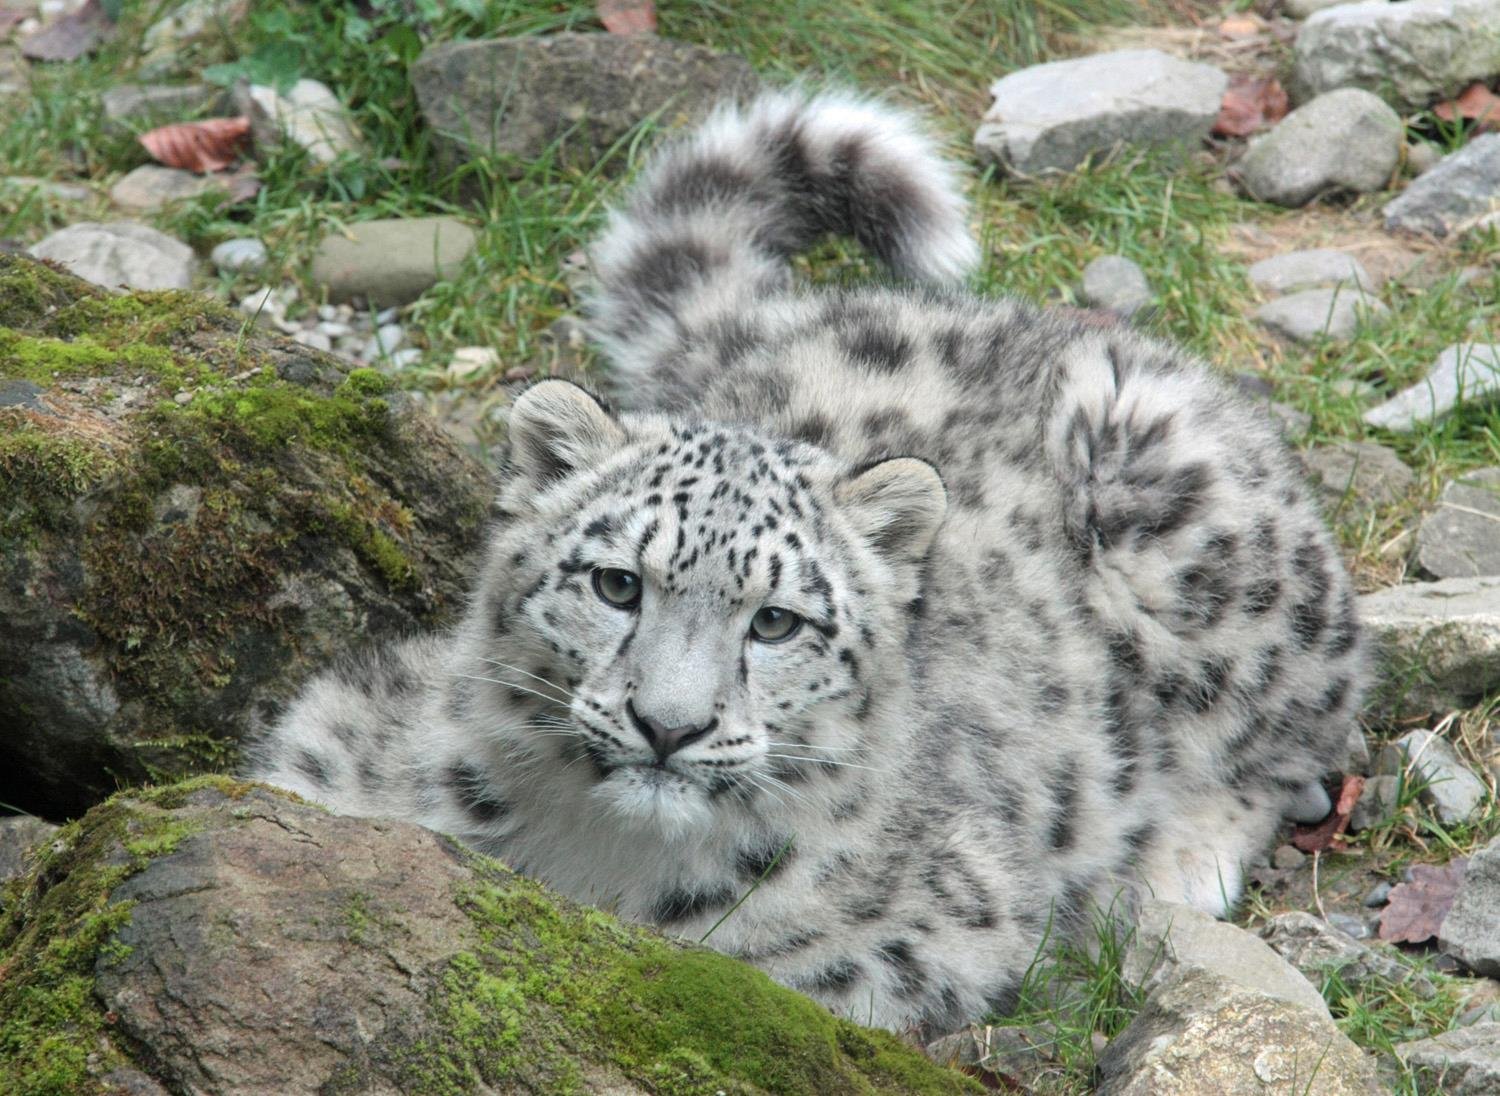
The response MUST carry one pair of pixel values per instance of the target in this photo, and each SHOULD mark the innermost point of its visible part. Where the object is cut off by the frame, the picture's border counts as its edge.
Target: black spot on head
(813, 429)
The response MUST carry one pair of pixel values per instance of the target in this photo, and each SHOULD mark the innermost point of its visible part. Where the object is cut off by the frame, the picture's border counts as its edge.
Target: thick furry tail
(715, 216)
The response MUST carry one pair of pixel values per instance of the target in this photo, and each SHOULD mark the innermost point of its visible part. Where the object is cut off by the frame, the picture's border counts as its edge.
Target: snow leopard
(874, 635)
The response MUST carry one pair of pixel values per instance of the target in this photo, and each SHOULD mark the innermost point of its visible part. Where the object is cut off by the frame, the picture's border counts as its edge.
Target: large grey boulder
(1460, 191)
(1463, 373)
(1052, 117)
(1465, 1062)
(1170, 938)
(1409, 53)
(516, 98)
(1201, 1033)
(1462, 536)
(1471, 930)
(1440, 642)
(19, 837)
(120, 254)
(1358, 475)
(1342, 141)
(391, 261)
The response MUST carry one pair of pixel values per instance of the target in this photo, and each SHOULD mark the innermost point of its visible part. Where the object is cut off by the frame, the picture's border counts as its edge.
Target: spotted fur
(1071, 619)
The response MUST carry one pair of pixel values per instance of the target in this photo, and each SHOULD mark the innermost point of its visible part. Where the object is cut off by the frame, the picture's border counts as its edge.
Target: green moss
(58, 924)
(42, 472)
(270, 415)
(43, 360)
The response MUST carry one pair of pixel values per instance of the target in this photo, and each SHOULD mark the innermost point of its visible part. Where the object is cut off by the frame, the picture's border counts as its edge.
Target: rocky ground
(386, 225)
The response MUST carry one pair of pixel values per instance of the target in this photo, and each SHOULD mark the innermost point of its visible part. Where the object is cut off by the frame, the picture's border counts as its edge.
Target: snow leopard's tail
(715, 216)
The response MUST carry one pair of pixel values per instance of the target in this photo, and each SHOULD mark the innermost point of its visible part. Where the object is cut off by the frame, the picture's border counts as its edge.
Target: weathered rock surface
(1448, 786)
(1116, 283)
(1358, 475)
(1170, 939)
(1409, 53)
(1461, 537)
(19, 836)
(224, 940)
(308, 114)
(1317, 949)
(1440, 642)
(1052, 117)
(1465, 1062)
(1378, 800)
(1459, 191)
(1200, 1033)
(192, 34)
(1464, 372)
(195, 518)
(1344, 140)
(515, 98)
(142, 106)
(392, 261)
(1471, 931)
(120, 253)
(245, 255)
(1320, 313)
(151, 187)
(1315, 268)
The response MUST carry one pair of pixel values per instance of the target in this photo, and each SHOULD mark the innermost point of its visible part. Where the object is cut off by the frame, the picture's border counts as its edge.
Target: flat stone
(1446, 784)
(1461, 191)
(1345, 140)
(1053, 117)
(1316, 268)
(309, 115)
(240, 256)
(143, 106)
(576, 95)
(1463, 1062)
(1467, 372)
(1410, 53)
(1171, 938)
(152, 187)
(1116, 283)
(1440, 640)
(47, 188)
(1471, 930)
(1378, 801)
(1358, 474)
(391, 261)
(1200, 1033)
(1462, 536)
(1315, 314)
(120, 253)
(1318, 949)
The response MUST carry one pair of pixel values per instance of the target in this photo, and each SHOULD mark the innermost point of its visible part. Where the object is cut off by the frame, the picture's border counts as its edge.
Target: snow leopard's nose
(667, 740)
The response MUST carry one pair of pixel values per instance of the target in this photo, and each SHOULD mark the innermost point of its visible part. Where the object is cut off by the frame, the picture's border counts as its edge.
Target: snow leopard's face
(697, 613)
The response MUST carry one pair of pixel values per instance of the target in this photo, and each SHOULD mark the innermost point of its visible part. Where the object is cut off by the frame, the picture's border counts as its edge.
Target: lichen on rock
(222, 938)
(193, 517)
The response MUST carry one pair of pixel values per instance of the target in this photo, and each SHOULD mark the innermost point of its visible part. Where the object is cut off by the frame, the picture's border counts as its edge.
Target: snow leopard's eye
(622, 589)
(772, 625)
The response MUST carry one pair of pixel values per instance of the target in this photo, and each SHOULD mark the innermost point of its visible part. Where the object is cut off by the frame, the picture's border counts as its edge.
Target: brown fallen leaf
(1240, 26)
(1416, 910)
(210, 145)
(69, 37)
(1328, 834)
(1250, 103)
(1477, 104)
(628, 16)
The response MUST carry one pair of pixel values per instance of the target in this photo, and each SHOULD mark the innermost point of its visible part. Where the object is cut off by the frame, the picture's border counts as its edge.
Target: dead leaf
(1416, 910)
(1327, 834)
(1240, 26)
(210, 145)
(628, 16)
(1250, 103)
(69, 37)
(1477, 104)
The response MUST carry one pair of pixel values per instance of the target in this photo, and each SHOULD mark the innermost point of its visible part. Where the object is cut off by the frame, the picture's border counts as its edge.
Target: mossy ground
(57, 922)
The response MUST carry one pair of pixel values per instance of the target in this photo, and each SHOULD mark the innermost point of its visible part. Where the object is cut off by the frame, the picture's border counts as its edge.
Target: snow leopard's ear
(556, 428)
(897, 505)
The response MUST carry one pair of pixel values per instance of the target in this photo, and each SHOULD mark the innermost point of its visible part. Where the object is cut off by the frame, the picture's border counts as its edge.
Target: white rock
(468, 360)
(1315, 268)
(401, 359)
(1468, 372)
(309, 115)
(386, 341)
(1447, 785)
(333, 329)
(1319, 313)
(241, 256)
(312, 337)
(120, 253)
(1053, 117)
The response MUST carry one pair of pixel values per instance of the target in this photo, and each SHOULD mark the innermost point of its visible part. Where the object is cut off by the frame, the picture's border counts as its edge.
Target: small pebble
(312, 337)
(468, 360)
(243, 256)
(1286, 857)
(387, 316)
(401, 359)
(335, 330)
(385, 342)
(263, 302)
(1349, 924)
(182, 399)
(329, 312)
(1379, 895)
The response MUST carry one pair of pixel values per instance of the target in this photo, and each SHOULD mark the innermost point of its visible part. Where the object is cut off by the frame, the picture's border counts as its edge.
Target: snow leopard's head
(690, 614)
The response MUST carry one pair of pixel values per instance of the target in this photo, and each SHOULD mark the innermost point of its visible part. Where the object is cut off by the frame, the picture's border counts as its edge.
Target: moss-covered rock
(194, 516)
(221, 938)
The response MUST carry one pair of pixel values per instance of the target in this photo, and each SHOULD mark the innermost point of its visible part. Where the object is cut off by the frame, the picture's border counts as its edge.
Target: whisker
(535, 677)
(510, 685)
(808, 746)
(827, 761)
